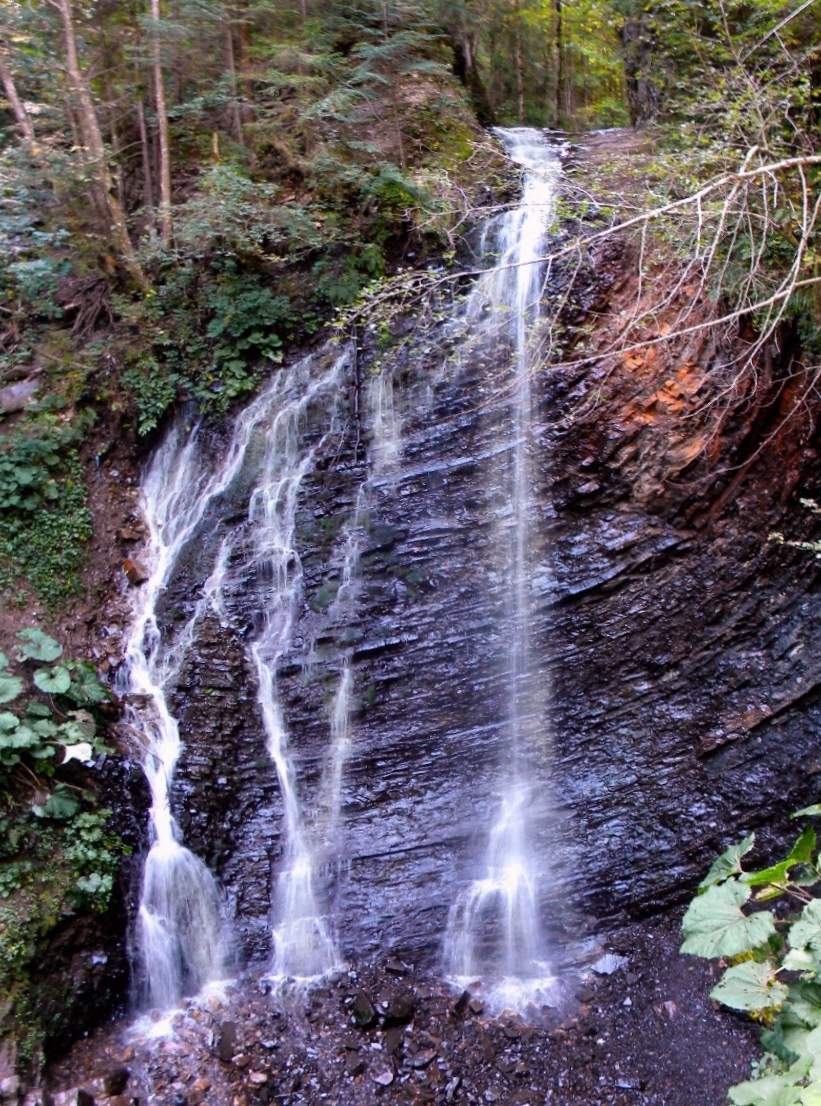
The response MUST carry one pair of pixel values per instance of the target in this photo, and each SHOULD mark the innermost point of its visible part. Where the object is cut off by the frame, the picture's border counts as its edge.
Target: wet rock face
(673, 651)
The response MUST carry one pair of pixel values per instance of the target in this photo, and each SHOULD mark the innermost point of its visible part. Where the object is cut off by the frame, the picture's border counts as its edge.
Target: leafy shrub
(44, 516)
(774, 972)
(58, 855)
(32, 736)
(207, 334)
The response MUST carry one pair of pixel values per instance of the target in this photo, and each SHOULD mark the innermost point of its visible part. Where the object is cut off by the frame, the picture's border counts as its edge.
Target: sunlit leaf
(750, 986)
(10, 687)
(806, 931)
(770, 1090)
(60, 805)
(801, 853)
(54, 681)
(38, 646)
(728, 864)
(715, 925)
(82, 751)
(799, 960)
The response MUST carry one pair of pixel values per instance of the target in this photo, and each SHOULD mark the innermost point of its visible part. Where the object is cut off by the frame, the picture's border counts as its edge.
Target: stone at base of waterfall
(394, 1039)
(400, 1009)
(383, 1077)
(77, 1096)
(354, 1063)
(9, 1089)
(227, 1044)
(363, 1010)
(116, 1081)
(196, 1094)
(14, 397)
(421, 1059)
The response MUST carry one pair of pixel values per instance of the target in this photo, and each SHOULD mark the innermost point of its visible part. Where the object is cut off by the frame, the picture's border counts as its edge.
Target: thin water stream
(494, 931)
(242, 518)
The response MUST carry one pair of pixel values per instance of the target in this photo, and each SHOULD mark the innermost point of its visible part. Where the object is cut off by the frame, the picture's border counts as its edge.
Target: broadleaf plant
(774, 972)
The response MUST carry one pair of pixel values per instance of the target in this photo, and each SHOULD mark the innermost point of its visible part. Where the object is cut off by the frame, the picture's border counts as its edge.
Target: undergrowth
(58, 857)
(773, 955)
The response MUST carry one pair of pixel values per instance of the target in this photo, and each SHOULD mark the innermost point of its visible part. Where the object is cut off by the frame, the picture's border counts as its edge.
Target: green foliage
(31, 254)
(776, 973)
(57, 854)
(715, 924)
(41, 733)
(206, 332)
(44, 516)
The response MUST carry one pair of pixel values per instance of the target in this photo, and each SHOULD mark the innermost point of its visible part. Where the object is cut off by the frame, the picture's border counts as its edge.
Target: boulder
(363, 1010)
(135, 572)
(15, 397)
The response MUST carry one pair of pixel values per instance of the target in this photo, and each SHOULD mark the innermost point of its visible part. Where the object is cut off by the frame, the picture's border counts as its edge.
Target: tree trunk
(640, 90)
(230, 62)
(466, 70)
(162, 127)
(520, 82)
(20, 114)
(93, 142)
(559, 62)
(148, 191)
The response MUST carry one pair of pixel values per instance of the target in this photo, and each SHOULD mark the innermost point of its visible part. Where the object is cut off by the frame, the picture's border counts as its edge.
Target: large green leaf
(60, 805)
(54, 681)
(10, 687)
(806, 931)
(38, 646)
(801, 853)
(19, 738)
(728, 864)
(750, 986)
(770, 1090)
(811, 1095)
(715, 925)
(86, 685)
(772, 1040)
(799, 960)
(807, 810)
(37, 709)
(801, 1012)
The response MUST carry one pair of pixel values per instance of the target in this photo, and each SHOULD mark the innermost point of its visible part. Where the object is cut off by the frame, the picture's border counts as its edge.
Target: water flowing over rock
(434, 648)
(504, 308)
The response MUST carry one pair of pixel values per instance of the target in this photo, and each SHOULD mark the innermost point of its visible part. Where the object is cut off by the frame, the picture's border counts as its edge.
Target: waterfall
(182, 938)
(493, 928)
(239, 524)
(303, 944)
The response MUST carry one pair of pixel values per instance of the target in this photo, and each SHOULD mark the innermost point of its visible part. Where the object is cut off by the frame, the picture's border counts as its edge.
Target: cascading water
(303, 944)
(242, 528)
(182, 939)
(494, 931)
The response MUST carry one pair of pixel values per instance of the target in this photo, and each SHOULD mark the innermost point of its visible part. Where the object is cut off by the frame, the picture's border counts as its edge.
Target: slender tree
(102, 183)
(162, 126)
(17, 106)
